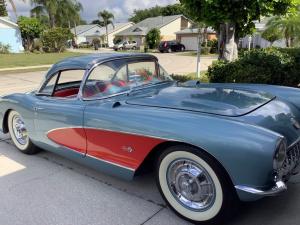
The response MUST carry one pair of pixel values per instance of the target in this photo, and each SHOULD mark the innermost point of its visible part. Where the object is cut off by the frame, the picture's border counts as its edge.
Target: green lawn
(32, 59)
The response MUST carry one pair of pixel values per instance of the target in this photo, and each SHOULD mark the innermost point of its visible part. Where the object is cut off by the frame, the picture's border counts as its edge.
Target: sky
(122, 9)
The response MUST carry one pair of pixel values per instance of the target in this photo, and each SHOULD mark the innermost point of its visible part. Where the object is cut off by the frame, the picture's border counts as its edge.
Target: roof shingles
(143, 27)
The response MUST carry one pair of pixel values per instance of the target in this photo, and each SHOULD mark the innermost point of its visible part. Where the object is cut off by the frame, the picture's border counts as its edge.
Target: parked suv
(125, 45)
(171, 46)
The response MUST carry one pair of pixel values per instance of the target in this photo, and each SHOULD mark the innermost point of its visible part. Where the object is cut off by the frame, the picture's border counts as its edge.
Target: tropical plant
(30, 28)
(153, 38)
(234, 19)
(67, 12)
(169, 10)
(107, 18)
(3, 11)
(287, 26)
(59, 12)
(55, 39)
(272, 34)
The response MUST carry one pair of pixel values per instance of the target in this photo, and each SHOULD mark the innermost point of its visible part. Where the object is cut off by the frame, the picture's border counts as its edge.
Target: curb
(24, 68)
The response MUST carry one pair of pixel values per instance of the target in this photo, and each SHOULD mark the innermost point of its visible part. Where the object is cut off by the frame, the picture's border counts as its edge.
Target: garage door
(190, 43)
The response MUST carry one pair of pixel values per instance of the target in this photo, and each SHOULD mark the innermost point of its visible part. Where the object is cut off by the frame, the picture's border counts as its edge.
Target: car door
(106, 122)
(59, 113)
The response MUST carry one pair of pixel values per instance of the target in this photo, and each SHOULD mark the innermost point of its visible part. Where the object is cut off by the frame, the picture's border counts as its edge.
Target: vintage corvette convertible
(210, 145)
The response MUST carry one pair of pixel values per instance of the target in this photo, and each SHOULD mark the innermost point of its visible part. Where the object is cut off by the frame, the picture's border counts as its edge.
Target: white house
(86, 33)
(168, 26)
(189, 37)
(10, 35)
(81, 31)
(255, 40)
(112, 31)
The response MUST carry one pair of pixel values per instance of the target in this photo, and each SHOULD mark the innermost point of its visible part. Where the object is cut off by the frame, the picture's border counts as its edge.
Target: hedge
(267, 66)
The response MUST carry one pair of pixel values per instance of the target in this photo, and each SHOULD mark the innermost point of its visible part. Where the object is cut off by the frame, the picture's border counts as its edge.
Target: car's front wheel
(194, 185)
(19, 134)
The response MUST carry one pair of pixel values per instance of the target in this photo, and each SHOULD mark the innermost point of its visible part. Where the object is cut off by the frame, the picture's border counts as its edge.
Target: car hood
(214, 100)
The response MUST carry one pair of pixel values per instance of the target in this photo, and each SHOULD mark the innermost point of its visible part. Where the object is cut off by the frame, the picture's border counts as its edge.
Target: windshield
(121, 76)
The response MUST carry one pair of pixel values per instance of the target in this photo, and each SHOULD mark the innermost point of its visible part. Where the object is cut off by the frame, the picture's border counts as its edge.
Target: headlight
(280, 154)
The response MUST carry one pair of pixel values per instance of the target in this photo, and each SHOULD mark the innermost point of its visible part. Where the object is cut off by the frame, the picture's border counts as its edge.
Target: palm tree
(46, 6)
(3, 11)
(272, 34)
(288, 26)
(69, 11)
(107, 19)
(58, 11)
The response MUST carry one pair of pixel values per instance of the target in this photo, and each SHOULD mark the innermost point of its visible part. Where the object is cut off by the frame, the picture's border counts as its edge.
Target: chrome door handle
(37, 108)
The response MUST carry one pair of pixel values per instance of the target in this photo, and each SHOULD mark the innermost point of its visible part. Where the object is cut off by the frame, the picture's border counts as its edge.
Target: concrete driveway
(47, 189)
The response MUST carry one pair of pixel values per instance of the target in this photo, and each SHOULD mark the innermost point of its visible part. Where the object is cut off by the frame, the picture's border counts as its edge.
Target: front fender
(244, 150)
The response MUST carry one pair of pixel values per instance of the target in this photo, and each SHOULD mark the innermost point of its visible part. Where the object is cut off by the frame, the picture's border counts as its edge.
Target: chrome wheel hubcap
(191, 185)
(20, 130)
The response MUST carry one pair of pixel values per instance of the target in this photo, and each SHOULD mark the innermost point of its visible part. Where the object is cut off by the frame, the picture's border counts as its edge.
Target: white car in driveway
(125, 45)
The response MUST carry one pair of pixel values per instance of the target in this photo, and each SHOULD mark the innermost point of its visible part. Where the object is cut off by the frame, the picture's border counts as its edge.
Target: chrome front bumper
(279, 187)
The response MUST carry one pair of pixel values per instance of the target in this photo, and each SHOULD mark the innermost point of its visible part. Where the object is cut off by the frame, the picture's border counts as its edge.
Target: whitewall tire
(193, 185)
(19, 134)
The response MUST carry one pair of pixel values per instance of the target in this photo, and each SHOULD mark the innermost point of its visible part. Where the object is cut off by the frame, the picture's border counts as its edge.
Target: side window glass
(141, 71)
(70, 76)
(49, 87)
(68, 83)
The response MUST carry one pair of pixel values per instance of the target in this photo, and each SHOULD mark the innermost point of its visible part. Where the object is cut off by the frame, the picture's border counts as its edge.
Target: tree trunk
(227, 43)
(106, 34)
(51, 20)
(205, 35)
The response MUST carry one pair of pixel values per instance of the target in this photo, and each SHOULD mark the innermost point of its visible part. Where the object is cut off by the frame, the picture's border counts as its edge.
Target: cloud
(122, 9)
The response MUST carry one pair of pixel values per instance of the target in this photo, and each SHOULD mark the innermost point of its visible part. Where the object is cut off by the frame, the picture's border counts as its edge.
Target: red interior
(66, 92)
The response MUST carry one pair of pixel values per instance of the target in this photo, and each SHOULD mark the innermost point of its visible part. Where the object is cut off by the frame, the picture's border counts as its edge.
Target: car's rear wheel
(19, 134)
(195, 186)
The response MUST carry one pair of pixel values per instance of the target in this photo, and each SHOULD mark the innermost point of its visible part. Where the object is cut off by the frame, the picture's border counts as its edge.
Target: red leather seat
(66, 92)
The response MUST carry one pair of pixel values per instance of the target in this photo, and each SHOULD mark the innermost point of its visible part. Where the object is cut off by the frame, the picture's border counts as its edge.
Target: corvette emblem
(295, 123)
(127, 149)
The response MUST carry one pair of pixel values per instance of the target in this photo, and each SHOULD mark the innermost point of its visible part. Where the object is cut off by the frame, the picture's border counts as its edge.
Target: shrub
(55, 39)
(117, 40)
(153, 38)
(205, 50)
(191, 76)
(30, 28)
(4, 49)
(268, 66)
